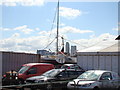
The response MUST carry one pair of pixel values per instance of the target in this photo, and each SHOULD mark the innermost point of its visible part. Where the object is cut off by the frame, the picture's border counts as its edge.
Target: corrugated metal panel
(80, 60)
(95, 58)
(115, 63)
(90, 62)
(13, 60)
(119, 64)
(108, 63)
(100, 60)
(85, 62)
(0, 68)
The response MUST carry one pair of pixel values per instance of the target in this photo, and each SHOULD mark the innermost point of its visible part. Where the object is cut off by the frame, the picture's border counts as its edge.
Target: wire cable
(80, 44)
(73, 42)
(49, 43)
(51, 27)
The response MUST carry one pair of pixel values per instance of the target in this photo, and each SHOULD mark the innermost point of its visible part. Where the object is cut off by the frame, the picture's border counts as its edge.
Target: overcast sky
(27, 25)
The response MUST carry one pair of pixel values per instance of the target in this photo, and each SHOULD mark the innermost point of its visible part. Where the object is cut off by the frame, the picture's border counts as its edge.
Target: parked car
(33, 69)
(95, 80)
(10, 78)
(55, 75)
(72, 66)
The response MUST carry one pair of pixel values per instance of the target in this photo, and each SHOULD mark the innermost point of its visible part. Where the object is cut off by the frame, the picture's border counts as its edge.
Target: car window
(106, 76)
(88, 75)
(23, 69)
(72, 67)
(79, 73)
(77, 67)
(33, 70)
(64, 66)
(51, 73)
(64, 74)
(73, 74)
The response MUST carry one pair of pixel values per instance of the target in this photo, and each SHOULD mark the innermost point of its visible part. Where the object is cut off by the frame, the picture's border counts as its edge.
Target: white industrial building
(104, 59)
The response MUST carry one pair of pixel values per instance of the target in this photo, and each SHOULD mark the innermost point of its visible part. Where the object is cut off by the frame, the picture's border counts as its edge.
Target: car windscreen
(89, 76)
(51, 73)
(23, 69)
(64, 67)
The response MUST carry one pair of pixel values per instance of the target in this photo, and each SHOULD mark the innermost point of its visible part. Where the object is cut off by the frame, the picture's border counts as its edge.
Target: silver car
(95, 80)
(72, 66)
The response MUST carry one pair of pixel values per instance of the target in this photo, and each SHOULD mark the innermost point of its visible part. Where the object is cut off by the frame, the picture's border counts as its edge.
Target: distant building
(73, 50)
(45, 52)
(67, 48)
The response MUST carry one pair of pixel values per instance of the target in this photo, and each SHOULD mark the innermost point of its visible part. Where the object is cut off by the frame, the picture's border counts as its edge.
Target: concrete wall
(99, 60)
(14, 60)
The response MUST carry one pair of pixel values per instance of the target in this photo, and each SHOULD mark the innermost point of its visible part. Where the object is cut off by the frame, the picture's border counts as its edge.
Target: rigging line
(52, 24)
(74, 42)
(82, 45)
(49, 43)
(94, 44)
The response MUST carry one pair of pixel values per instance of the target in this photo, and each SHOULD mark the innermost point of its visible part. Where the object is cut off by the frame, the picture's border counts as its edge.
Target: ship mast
(57, 28)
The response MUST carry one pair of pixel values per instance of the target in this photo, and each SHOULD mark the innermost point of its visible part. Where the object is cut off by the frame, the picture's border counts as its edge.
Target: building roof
(104, 47)
(113, 48)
